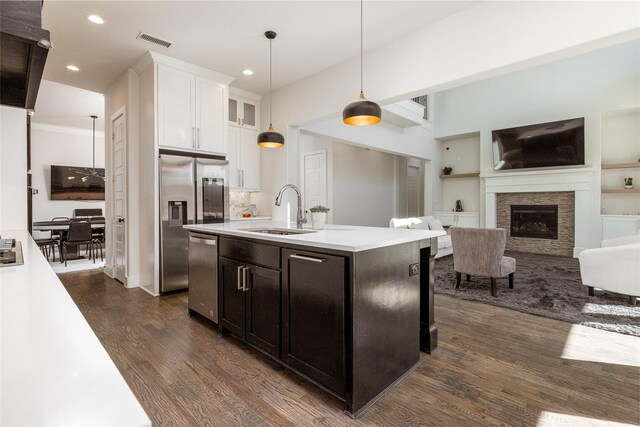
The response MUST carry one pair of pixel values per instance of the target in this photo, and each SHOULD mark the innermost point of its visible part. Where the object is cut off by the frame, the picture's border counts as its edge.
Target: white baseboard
(108, 270)
(133, 282)
(148, 291)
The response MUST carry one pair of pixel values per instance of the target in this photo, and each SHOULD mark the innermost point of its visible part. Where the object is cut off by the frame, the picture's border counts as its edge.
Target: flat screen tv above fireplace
(550, 144)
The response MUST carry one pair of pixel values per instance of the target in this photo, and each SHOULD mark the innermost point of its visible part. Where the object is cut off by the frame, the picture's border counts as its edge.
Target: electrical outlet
(414, 269)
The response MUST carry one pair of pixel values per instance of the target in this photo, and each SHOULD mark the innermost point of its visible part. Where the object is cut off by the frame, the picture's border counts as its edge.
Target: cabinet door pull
(198, 138)
(239, 179)
(307, 258)
(245, 270)
(242, 174)
(209, 242)
(193, 137)
(240, 277)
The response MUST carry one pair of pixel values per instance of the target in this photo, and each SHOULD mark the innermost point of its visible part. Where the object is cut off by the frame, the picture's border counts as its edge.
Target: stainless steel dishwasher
(203, 275)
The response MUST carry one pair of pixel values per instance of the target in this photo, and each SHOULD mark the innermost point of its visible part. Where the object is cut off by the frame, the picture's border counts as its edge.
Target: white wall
(63, 146)
(463, 155)
(13, 168)
(361, 184)
(484, 40)
(583, 86)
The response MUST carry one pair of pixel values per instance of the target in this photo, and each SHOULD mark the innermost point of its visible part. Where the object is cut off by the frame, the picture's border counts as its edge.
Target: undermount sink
(278, 231)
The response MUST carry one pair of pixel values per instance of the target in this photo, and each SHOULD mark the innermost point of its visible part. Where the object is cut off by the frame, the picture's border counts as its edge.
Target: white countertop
(348, 238)
(252, 218)
(53, 369)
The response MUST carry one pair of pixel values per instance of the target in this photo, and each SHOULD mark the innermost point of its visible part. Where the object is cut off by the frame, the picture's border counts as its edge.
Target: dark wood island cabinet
(353, 323)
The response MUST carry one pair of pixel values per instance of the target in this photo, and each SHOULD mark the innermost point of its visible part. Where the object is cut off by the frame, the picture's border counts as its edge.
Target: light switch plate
(414, 269)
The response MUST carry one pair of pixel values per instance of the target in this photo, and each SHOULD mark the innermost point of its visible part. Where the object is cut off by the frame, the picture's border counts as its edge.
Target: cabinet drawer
(250, 252)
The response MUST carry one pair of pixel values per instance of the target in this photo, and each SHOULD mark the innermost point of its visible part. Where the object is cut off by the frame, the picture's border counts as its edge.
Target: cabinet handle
(193, 137)
(241, 121)
(240, 277)
(198, 138)
(209, 242)
(307, 258)
(242, 174)
(239, 179)
(238, 121)
(245, 270)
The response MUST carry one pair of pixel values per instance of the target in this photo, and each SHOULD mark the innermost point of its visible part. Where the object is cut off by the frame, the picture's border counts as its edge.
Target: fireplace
(537, 221)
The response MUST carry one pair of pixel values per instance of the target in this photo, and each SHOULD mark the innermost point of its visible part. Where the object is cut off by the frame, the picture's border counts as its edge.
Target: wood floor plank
(493, 367)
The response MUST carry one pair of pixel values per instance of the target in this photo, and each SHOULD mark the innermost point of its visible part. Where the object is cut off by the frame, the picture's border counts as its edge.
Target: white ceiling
(225, 36)
(62, 105)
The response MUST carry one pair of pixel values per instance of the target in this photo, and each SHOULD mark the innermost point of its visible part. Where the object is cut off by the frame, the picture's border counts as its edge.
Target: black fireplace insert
(537, 221)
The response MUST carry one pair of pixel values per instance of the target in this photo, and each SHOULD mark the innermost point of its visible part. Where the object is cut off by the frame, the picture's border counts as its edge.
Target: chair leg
(468, 277)
(458, 277)
(494, 291)
(511, 280)
(632, 300)
(591, 291)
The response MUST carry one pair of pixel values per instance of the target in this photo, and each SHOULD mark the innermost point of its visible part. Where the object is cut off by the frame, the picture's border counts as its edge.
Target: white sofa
(615, 266)
(444, 242)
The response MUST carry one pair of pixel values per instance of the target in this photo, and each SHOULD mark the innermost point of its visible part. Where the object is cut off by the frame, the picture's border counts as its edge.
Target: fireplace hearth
(534, 221)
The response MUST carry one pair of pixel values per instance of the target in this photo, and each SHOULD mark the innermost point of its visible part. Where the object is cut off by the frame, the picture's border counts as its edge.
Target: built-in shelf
(620, 190)
(621, 165)
(461, 175)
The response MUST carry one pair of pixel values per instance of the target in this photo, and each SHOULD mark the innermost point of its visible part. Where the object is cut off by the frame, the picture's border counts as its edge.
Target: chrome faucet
(299, 218)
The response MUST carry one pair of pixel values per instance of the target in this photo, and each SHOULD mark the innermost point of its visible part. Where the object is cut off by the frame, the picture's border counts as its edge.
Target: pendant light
(361, 112)
(270, 138)
(85, 172)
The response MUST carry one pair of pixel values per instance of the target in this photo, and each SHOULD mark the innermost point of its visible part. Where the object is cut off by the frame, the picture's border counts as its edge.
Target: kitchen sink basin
(278, 231)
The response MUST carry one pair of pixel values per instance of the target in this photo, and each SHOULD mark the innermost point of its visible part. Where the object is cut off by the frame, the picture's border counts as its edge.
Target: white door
(175, 108)
(233, 156)
(314, 175)
(118, 188)
(249, 160)
(211, 125)
(413, 191)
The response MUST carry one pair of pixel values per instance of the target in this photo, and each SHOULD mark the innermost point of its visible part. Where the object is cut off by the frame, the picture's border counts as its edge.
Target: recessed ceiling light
(72, 68)
(96, 19)
(247, 72)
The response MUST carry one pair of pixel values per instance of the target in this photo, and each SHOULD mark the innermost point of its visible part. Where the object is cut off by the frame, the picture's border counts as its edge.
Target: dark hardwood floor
(493, 366)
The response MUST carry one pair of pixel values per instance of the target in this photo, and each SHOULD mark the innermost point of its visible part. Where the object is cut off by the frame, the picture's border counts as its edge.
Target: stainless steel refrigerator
(192, 190)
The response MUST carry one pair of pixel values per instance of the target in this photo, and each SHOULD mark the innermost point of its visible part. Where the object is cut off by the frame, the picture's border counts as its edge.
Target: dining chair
(48, 245)
(97, 235)
(79, 234)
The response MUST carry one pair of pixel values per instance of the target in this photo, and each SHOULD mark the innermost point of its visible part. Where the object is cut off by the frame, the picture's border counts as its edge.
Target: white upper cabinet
(244, 109)
(244, 159)
(210, 113)
(176, 118)
(192, 107)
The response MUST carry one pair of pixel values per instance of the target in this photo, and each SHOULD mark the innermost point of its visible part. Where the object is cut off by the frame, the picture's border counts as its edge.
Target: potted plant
(628, 183)
(318, 216)
(447, 170)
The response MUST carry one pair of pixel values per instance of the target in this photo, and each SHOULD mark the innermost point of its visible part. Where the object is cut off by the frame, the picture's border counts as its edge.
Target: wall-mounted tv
(76, 183)
(558, 143)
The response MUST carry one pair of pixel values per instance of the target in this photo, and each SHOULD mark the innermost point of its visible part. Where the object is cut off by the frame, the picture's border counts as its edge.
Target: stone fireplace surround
(563, 245)
(579, 181)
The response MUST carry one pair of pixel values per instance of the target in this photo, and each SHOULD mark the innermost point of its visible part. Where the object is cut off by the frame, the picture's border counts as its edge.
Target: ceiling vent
(154, 40)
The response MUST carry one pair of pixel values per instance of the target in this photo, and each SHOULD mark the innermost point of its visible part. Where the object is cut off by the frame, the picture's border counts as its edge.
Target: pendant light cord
(270, 85)
(361, 48)
(94, 143)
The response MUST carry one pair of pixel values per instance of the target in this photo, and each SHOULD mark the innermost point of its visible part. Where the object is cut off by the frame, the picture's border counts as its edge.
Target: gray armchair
(479, 252)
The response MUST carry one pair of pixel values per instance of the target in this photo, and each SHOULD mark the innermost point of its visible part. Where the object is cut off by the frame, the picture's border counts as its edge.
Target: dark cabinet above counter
(351, 322)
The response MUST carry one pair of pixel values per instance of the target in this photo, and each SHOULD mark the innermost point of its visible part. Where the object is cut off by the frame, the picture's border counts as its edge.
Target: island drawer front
(250, 252)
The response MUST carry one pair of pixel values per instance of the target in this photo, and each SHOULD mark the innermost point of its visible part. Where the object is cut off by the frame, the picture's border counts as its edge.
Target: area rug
(548, 286)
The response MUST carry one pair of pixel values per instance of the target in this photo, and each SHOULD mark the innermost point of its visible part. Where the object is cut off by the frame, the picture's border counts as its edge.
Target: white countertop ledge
(53, 369)
(349, 238)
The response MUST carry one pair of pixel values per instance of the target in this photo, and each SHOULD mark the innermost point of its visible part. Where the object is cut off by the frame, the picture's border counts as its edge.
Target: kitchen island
(53, 369)
(349, 308)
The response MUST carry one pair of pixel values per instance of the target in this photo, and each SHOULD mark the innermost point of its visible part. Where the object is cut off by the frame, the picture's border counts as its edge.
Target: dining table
(62, 226)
